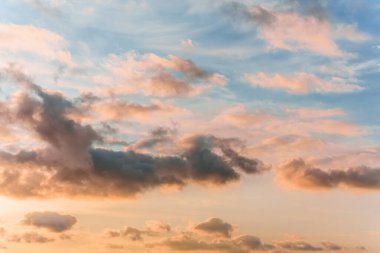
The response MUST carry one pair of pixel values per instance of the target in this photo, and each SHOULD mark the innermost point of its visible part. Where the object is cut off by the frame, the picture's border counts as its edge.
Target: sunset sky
(189, 126)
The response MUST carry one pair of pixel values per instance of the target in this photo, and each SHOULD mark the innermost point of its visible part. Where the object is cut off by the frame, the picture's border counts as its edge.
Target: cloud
(301, 83)
(290, 121)
(297, 30)
(152, 228)
(158, 137)
(121, 110)
(152, 75)
(41, 42)
(215, 226)
(301, 174)
(331, 246)
(299, 246)
(30, 237)
(51, 221)
(68, 164)
(186, 240)
(187, 44)
(51, 8)
(240, 244)
(157, 226)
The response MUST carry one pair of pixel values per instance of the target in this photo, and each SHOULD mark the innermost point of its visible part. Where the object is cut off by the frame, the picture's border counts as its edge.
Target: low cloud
(30, 237)
(299, 246)
(152, 228)
(301, 174)
(51, 221)
(215, 226)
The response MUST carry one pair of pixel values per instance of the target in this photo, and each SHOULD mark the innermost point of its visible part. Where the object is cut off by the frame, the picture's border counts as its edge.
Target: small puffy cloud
(250, 242)
(187, 44)
(301, 174)
(152, 75)
(215, 226)
(51, 221)
(301, 83)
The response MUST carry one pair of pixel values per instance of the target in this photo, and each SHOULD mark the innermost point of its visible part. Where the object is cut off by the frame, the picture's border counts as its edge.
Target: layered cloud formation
(215, 235)
(71, 165)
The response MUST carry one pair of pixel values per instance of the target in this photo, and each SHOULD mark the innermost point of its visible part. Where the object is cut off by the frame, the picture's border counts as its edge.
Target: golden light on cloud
(173, 126)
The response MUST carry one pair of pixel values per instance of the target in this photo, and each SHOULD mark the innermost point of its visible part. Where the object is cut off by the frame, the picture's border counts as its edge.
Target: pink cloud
(301, 83)
(294, 32)
(301, 121)
(150, 74)
(18, 39)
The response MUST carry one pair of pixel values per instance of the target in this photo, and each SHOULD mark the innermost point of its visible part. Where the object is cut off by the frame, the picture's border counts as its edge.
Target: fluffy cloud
(151, 74)
(301, 83)
(51, 221)
(301, 174)
(215, 226)
(40, 42)
(292, 29)
(69, 165)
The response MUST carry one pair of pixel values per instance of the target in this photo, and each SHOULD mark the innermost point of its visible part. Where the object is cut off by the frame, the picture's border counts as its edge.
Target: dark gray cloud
(51, 221)
(301, 174)
(215, 226)
(160, 135)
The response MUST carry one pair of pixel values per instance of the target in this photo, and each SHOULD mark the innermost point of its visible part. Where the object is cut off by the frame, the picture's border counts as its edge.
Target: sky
(189, 126)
